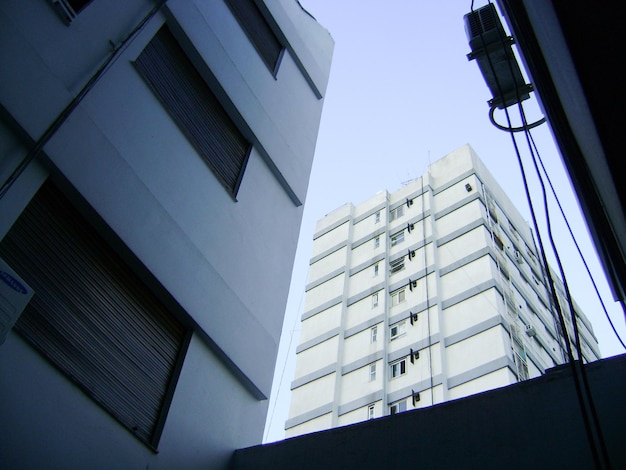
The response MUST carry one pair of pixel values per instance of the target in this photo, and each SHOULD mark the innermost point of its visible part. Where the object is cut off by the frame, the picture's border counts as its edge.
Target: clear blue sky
(402, 94)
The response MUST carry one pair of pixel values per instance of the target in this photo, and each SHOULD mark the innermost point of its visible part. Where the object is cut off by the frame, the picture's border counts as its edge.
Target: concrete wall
(225, 264)
(533, 424)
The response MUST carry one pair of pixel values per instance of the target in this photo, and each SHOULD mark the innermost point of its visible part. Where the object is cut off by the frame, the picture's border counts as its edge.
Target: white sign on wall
(14, 296)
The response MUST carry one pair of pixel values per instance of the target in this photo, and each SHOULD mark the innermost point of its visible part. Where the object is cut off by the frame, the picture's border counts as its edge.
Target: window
(498, 242)
(397, 330)
(377, 218)
(397, 238)
(194, 108)
(374, 334)
(259, 32)
(513, 231)
(375, 300)
(396, 213)
(398, 368)
(69, 9)
(376, 270)
(397, 265)
(376, 242)
(92, 317)
(372, 372)
(398, 297)
(397, 407)
(370, 411)
(492, 211)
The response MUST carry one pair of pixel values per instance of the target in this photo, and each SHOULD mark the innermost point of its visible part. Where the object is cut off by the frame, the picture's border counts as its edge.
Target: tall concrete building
(427, 294)
(154, 159)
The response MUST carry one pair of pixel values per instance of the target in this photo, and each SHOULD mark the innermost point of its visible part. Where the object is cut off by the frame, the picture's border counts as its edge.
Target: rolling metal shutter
(92, 317)
(194, 108)
(258, 31)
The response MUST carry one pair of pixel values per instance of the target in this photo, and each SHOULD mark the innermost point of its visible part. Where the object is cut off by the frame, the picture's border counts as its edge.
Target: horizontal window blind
(92, 317)
(258, 31)
(194, 108)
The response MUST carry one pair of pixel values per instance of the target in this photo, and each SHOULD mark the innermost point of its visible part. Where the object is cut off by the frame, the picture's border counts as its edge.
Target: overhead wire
(430, 353)
(574, 317)
(282, 374)
(579, 392)
(580, 253)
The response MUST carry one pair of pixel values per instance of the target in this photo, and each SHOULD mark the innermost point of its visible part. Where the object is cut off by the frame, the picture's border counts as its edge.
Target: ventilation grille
(482, 21)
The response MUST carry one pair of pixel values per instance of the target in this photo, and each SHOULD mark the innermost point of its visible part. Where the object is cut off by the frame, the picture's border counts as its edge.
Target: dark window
(69, 9)
(397, 407)
(78, 5)
(258, 31)
(194, 108)
(498, 242)
(92, 317)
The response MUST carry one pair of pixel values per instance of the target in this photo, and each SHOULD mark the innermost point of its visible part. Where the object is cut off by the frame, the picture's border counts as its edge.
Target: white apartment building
(427, 294)
(149, 149)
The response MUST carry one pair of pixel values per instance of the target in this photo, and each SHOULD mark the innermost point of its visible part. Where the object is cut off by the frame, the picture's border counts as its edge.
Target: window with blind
(259, 32)
(69, 9)
(92, 317)
(194, 108)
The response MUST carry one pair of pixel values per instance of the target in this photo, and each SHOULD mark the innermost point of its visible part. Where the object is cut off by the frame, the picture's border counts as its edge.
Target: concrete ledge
(416, 276)
(462, 231)
(322, 307)
(333, 226)
(308, 416)
(471, 292)
(380, 207)
(484, 369)
(376, 259)
(370, 236)
(323, 279)
(418, 387)
(318, 374)
(360, 402)
(317, 340)
(364, 361)
(364, 326)
(419, 308)
(484, 251)
(366, 293)
(404, 352)
(457, 205)
(474, 330)
(325, 253)
(454, 181)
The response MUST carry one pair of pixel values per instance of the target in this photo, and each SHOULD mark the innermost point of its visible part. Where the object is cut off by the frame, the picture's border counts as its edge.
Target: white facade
(213, 257)
(428, 294)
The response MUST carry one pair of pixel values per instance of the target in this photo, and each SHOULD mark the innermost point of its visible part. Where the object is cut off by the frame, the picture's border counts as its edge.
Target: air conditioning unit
(530, 330)
(518, 257)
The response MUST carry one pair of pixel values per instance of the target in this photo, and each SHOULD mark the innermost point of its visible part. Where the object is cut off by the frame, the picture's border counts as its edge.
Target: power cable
(430, 352)
(513, 129)
(282, 374)
(569, 228)
(579, 391)
(591, 404)
(583, 372)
